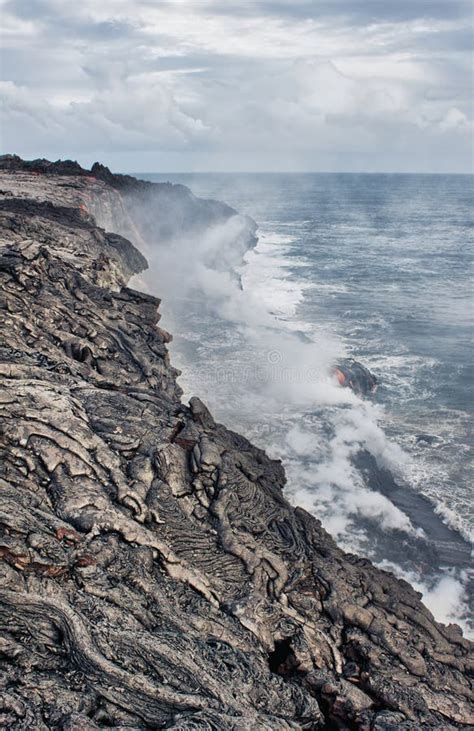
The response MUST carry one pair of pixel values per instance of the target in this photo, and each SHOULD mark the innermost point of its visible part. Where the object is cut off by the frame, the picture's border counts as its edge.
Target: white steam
(331, 486)
(278, 372)
(262, 371)
(447, 597)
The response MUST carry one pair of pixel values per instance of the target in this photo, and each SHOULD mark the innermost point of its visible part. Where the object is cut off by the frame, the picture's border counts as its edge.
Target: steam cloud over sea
(374, 267)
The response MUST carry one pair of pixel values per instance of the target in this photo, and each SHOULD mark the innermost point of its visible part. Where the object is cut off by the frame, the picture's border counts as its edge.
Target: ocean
(377, 267)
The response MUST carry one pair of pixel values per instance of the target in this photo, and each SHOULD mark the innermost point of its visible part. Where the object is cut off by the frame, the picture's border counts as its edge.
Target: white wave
(453, 519)
(279, 293)
(267, 275)
(275, 238)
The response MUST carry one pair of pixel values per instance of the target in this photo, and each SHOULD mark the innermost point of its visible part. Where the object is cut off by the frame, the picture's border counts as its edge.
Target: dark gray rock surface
(152, 573)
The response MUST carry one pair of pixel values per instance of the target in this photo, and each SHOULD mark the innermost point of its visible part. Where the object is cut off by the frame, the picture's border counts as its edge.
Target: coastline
(127, 476)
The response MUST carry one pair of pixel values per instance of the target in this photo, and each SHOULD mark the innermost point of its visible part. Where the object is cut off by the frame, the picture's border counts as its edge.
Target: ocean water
(378, 267)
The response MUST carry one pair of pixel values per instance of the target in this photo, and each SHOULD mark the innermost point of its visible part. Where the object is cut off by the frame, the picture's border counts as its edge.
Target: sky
(255, 85)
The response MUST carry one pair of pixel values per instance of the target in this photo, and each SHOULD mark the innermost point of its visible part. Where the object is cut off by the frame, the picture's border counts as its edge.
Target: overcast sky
(145, 85)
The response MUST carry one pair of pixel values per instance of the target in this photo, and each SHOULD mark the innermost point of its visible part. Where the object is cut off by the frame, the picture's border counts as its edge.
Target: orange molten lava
(340, 376)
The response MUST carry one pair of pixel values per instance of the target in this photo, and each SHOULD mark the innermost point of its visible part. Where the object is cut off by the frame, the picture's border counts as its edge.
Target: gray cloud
(358, 11)
(28, 9)
(340, 85)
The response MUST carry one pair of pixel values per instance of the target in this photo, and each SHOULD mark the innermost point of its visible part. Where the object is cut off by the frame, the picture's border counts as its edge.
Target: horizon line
(291, 172)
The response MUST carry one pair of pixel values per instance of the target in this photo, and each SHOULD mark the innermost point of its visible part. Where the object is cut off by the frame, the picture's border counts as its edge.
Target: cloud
(134, 113)
(361, 11)
(260, 85)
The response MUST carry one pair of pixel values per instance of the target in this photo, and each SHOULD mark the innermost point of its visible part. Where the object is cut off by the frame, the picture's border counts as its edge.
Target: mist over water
(372, 266)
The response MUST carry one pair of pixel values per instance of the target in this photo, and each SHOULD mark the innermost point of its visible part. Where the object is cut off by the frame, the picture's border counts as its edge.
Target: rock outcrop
(353, 375)
(152, 573)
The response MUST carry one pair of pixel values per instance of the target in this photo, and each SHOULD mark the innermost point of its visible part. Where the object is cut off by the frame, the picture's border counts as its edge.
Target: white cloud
(453, 119)
(268, 87)
(134, 114)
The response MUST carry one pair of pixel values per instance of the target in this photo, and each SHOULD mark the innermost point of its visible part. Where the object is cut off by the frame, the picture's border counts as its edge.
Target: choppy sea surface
(376, 267)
